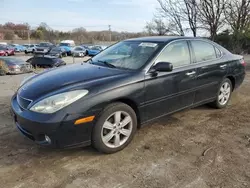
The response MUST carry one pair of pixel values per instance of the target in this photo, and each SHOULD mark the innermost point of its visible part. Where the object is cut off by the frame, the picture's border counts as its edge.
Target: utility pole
(110, 35)
(28, 35)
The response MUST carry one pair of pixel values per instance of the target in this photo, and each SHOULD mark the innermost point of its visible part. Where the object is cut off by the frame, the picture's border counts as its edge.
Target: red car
(3, 51)
(8, 50)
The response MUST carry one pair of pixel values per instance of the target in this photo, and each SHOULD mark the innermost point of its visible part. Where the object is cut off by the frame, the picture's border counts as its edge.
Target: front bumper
(58, 127)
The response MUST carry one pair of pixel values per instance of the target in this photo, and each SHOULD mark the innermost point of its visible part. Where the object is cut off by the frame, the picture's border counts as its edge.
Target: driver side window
(176, 53)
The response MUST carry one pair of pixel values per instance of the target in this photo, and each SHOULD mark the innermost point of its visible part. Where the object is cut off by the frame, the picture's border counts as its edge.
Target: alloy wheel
(116, 129)
(224, 93)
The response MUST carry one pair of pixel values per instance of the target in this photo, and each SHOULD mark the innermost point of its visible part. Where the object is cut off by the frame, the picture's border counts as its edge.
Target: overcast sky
(122, 15)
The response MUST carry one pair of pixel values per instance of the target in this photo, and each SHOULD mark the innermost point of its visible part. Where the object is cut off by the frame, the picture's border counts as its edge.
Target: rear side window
(203, 51)
(218, 52)
(176, 53)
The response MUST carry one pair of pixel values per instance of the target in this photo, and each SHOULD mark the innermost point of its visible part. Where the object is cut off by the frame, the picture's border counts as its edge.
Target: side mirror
(163, 67)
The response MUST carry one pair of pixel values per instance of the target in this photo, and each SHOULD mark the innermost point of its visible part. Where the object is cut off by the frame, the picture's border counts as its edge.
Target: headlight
(56, 102)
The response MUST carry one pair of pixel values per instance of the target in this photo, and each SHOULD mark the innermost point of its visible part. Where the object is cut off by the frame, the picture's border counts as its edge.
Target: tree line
(44, 32)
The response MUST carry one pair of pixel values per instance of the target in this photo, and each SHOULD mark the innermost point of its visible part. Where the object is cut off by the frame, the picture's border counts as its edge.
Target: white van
(68, 45)
(3, 43)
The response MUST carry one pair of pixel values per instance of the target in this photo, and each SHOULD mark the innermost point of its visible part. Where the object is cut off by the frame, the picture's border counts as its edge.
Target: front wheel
(224, 94)
(115, 128)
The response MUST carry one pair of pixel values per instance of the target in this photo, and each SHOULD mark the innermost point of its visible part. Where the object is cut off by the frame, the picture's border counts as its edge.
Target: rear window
(203, 51)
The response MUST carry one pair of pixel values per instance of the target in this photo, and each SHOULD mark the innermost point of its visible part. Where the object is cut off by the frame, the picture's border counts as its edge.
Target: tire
(87, 53)
(117, 139)
(33, 51)
(222, 99)
(6, 54)
(60, 56)
(25, 52)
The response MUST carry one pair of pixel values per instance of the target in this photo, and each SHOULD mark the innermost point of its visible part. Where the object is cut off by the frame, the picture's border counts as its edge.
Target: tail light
(243, 62)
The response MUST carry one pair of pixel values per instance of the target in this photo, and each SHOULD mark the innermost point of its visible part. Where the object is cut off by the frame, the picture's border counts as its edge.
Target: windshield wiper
(107, 64)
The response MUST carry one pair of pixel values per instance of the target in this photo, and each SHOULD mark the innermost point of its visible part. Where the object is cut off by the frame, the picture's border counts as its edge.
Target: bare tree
(171, 10)
(190, 12)
(237, 14)
(156, 27)
(211, 15)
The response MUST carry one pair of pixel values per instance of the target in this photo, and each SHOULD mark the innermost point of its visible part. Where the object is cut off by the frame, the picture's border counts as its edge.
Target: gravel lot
(195, 148)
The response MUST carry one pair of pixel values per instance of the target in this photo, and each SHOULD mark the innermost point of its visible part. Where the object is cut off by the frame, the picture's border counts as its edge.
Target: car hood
(63, 77)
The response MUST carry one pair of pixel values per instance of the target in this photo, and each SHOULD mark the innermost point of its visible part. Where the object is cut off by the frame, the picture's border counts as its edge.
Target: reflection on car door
(211, 69)
(170, 91)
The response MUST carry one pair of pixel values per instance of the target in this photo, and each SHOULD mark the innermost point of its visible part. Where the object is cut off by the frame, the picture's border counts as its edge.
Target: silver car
(79, 51)
(10, 65)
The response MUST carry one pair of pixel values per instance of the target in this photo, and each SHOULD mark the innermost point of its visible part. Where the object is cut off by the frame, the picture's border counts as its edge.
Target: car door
(167, 92)
(211, 69)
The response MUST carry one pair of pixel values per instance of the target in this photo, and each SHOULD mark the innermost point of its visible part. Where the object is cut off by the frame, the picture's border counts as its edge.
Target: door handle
(190, 73)
(223, 66)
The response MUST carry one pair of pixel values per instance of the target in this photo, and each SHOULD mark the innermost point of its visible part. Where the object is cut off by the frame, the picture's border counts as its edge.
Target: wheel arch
(133, 105)
(232, 79)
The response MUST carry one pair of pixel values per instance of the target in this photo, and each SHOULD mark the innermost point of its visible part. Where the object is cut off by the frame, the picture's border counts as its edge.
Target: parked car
(3, 51)
(103, 101)
(18, 47)
(7, 49)
(14, 66)
(44, 48)
(30, 48)
(68, 45)
(79, 51)
(58, 52)
(46, 61)
(94, 50)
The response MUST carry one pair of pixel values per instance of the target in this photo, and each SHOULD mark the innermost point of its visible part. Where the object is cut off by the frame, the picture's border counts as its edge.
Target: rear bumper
(239, 78)
(59, 128)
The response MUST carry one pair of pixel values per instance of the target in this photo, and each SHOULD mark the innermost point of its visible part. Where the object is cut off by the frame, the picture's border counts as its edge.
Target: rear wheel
(115, 128)
(224, 94)
(25, 52)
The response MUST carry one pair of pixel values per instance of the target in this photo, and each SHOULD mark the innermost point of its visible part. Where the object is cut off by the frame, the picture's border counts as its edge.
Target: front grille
(40, 50)
(23, 103)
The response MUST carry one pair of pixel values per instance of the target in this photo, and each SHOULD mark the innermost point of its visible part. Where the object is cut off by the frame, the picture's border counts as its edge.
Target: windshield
(127, 55)
(43, 44)
(13, 61)
(56, 50)
(78, 49)
(64, 44)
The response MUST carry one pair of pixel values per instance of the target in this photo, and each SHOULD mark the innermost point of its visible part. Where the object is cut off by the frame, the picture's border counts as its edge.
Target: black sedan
(58, 52)
(10, 65)
(46, 61)
(104, 101)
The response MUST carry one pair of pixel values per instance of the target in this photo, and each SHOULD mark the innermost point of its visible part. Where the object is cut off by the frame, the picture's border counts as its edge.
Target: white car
(30, 48)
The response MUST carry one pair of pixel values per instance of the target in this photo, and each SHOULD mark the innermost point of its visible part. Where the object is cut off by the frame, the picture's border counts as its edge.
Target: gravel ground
(195, 148)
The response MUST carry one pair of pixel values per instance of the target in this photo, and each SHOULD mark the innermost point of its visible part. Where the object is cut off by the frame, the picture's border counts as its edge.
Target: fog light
(47, 138)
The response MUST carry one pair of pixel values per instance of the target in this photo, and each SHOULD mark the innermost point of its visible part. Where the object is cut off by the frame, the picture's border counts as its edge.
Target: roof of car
(159, 38)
